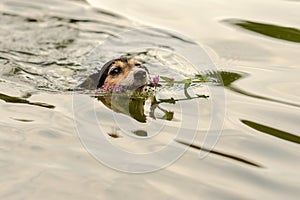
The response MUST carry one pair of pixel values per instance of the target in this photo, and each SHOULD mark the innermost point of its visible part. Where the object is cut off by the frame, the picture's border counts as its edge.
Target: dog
(131, 76)
(126, 72)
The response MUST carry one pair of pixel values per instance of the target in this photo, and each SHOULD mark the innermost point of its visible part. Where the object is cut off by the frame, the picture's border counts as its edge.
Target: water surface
(256, 48)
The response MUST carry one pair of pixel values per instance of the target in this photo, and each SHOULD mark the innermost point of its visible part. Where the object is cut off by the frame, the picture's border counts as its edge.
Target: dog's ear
(104, 73)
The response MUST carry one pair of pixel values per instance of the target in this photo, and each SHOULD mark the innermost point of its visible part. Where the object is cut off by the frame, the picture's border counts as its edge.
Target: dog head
(124, 71)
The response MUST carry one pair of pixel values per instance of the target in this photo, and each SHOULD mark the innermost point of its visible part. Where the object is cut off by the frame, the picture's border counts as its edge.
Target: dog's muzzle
(140, 75)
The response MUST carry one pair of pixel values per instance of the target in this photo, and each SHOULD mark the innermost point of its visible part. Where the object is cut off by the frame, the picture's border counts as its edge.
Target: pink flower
(117, 88)
(155, 81)
(100, 90)
(106, 88)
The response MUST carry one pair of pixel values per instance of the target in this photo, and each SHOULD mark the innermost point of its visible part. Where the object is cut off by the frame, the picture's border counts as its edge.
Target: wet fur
(103, 78)
(128, 69)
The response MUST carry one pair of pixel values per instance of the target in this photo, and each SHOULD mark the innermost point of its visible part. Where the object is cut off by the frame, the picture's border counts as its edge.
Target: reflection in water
(129, 105)
(240, 91)
(134, 105)
(274, 31)
(23, 120)
(114, 132)
(272, 131)
(221, 154)
(11, 99)
(124, 97)
(140, 133)
(229, 77)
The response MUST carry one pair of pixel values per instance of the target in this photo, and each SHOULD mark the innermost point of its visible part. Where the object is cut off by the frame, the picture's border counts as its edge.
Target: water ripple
(271, 30)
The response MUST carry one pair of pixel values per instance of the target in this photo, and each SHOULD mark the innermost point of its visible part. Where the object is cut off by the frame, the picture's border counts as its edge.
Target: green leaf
(170, 84)
(201, 78)
(187, 84)
(164, 78)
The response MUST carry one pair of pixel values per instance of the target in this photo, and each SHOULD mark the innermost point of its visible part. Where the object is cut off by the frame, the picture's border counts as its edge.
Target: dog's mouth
(140, 82)
(138, 86)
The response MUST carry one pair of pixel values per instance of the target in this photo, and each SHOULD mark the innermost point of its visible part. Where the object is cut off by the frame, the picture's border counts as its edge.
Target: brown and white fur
(126, 72)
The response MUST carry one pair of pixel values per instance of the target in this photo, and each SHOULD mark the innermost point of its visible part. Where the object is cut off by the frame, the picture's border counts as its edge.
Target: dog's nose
(139, 75)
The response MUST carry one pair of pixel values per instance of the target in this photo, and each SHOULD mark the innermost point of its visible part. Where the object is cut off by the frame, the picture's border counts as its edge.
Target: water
(43, 47)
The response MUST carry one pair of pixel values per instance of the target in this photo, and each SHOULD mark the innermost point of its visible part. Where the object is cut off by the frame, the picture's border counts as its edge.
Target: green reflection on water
(11, 99)
(272, 131)
(134, 106)
(225, 155)
(271, 30)
(229, 77)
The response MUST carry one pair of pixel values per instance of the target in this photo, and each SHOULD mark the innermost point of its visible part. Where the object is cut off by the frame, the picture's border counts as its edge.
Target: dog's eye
(115, 71)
